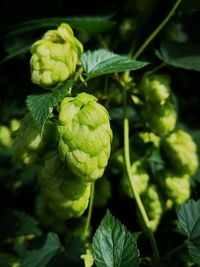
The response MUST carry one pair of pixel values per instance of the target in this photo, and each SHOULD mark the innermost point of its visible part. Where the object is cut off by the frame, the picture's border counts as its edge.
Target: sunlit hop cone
(55, 56)
(65, 194)
(181, 152)
(160, 119)
(155, 88)
(84, 136)
(175, 188)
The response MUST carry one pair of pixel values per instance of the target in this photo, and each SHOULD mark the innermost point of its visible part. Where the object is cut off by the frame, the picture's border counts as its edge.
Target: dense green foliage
(101, 120)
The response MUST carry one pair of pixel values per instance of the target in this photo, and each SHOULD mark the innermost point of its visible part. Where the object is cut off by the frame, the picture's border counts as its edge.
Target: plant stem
(157, 30)
(134, 190)
(89, 215)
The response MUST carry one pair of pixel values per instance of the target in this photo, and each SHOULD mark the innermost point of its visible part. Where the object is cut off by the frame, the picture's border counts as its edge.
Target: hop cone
(84, 136)
(155, 88)
(140, 178)
(55, 56)
(28, 143)
(180, 152)
(160, 119)
(65, 194)
(5, 136)
(176, 188)
(153, 205)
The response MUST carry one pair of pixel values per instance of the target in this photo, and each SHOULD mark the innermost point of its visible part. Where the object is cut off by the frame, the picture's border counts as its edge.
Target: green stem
(89, 215)
(134, 190)
(157, 30)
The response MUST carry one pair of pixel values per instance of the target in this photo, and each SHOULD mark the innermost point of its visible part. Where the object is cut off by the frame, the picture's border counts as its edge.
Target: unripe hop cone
(55, 56)
(84, 135)
(181, 152)
(155, 88)
(65, 194)
(160, 119)
(153, 204)
(175, 188)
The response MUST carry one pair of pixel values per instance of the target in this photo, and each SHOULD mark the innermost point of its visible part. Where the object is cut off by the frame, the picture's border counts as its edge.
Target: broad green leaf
(189, 219)
(181, 55)
(92, 25)
(189, 215)
(113, 245)
(42, 256)
(101, 62)
(194, 252)
(42, 105)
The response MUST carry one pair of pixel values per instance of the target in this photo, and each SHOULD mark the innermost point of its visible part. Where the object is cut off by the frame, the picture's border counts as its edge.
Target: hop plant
(153, 204)
(102, 192)
(160, 119)
(140, 178)
(181, 152)
(84, 136)
(176, 188)
(28, 143)
(155, 88)
(55, 56)
(65, 194)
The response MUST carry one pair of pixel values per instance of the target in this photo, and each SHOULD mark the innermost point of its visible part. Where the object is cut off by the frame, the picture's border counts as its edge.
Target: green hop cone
(140, 178)
(180, 152)
(148, 137)
(102, 192)
(176, 188)
(153, 204)
(5, 136)
(65, 194)
(28, 143)
(155, 88)
(55, 56)
(84, 136)
(160, 119)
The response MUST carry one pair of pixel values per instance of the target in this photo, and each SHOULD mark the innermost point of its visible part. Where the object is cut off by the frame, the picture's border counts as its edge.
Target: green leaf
(189, 219)
(42, 256)
(194, 252)
(19, 51)
(188, 215)
(25, 224)
(113, 245)
(181, 55)
(101, 62)
(41, 106)
(92, 25)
